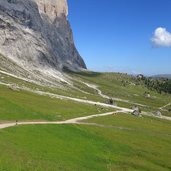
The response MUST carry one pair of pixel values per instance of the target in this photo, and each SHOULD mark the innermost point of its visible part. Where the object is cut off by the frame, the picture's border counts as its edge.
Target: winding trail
(52, 95)
(107, 97)
(159, 117)
(69, 121)
(76, 120)
(162, 108)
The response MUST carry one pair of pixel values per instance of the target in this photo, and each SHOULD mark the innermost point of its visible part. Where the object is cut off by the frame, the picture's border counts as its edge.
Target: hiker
(16, 122)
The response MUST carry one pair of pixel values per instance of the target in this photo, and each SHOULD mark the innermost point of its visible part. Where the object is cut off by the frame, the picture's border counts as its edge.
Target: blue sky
(131, 36)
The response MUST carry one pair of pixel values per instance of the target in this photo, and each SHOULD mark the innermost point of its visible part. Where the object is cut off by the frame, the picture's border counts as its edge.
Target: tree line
(161, 85)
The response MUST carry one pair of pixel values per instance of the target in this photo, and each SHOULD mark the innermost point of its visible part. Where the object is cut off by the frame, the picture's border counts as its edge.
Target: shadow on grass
(81, 73)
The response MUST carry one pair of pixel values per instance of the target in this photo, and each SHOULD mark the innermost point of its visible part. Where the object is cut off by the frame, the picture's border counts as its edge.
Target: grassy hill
(120, 142)
(125, 87)
(23, 105)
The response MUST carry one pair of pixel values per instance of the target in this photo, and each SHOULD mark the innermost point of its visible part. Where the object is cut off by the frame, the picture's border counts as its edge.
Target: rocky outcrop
(53, 8)
(36, 34)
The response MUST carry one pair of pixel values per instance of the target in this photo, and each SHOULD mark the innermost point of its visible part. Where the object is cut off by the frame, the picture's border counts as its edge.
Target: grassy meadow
(120, 142)
(124, 143)
(22, 105)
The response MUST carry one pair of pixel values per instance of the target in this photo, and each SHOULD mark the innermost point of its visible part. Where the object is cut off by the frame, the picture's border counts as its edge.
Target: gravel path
(163, 107)
(107, 97)
(69, 121)
(69, 98)
(74, 120)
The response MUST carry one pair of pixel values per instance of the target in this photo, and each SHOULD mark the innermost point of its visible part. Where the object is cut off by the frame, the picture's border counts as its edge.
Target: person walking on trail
(16, 122)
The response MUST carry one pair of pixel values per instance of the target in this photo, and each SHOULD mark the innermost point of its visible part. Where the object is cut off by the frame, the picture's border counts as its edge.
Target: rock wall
(53, 8)
(36, 34)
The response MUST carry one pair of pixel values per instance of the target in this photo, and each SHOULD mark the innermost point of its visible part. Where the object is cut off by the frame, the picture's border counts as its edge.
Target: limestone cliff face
(53, 8)
(37, 34)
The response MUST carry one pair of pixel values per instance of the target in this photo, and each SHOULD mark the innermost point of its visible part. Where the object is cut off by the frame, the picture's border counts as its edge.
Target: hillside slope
(116, 142)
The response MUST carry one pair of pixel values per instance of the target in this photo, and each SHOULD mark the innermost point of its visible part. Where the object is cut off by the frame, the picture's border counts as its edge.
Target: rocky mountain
(36, 35)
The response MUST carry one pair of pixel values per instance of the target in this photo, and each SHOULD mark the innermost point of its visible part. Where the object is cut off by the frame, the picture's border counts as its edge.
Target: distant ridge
(162, 76)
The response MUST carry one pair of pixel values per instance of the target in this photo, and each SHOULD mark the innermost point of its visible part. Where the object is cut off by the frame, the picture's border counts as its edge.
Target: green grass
(123, 86)
(145, 147)
(166, 113)
(64, 90)
(123, 143)
(22, 105)
(111, 84)
(168, 107)
(144, 123)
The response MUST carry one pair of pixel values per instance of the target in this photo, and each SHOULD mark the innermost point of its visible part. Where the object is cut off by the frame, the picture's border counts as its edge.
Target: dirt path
(69, 98)
(163, 107)
(69, 121)
(160, 117)
(6, 125)
(107, 97)
(74, 120)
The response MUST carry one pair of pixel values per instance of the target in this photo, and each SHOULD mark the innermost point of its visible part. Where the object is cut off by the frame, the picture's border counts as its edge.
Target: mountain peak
(53, 8)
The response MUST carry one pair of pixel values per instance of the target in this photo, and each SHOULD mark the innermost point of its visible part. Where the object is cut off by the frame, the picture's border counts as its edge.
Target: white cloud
(161, 37)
